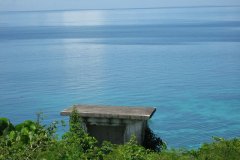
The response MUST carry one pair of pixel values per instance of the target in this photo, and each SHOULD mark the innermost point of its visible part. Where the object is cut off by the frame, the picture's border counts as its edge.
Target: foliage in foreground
(31, 140)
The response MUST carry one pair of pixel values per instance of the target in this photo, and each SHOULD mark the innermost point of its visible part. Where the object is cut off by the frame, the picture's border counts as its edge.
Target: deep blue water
(183, 61)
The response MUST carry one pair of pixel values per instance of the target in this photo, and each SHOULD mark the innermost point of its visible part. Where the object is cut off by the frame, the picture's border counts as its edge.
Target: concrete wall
(113, 134)
(136, 128)
(117, 131)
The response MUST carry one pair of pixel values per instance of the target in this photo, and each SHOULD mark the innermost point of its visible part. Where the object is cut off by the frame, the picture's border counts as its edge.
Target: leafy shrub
(220, 149)
(24, 141)
(128, 151)
(31, 140)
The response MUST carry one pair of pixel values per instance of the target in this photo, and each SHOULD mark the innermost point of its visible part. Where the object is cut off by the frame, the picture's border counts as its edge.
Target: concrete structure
(113, 123)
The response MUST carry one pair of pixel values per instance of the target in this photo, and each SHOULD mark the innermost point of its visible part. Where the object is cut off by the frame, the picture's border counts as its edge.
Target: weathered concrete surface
(113, 134)
(119, 112)
(114, 124)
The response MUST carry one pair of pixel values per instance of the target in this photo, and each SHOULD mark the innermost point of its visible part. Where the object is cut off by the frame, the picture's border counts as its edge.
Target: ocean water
(183, 61)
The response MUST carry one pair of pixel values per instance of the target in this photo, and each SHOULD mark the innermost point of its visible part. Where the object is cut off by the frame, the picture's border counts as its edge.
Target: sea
(185, 61)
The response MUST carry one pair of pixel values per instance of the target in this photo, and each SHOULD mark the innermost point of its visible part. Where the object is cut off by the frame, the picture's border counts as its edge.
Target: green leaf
(19, 127)
(12, 135)
(218, 139)
(33, 127)
(24, 131)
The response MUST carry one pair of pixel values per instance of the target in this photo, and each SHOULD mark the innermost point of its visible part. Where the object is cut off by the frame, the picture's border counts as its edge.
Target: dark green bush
(5, 126)
(220, 149)
(152, 141)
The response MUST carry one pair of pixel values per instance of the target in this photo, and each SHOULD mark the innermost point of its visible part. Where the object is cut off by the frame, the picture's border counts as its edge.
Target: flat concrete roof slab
(120, 112)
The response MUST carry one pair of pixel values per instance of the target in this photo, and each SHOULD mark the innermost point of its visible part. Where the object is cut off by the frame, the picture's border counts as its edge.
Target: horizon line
(131, 8)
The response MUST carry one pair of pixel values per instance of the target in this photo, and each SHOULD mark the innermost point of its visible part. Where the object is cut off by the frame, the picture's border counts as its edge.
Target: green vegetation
(31, 140)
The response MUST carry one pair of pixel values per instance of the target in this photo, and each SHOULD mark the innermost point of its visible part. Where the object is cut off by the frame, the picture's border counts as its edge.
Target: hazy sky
(14, 5)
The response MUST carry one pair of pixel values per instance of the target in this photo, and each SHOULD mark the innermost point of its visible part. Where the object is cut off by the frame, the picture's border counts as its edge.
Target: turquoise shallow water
(183, 61)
